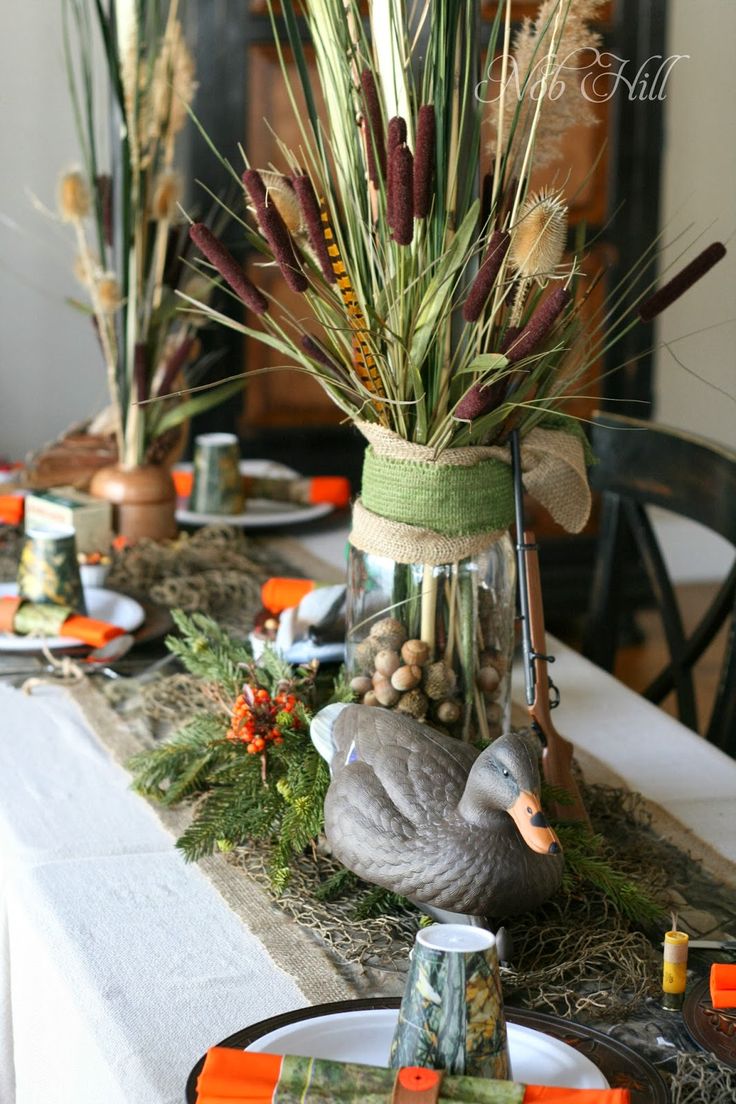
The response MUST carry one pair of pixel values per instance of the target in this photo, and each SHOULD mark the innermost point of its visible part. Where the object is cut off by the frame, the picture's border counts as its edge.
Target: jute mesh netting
(576, 955)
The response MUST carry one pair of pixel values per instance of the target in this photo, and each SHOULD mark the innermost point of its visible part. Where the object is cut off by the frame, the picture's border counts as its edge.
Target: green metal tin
(48, 572)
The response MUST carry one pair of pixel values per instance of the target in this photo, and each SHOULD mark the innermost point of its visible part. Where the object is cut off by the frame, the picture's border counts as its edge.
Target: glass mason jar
(435, 641)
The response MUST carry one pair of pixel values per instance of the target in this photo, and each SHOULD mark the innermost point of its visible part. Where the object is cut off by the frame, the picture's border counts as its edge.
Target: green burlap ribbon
(456, 501)
(421, 506)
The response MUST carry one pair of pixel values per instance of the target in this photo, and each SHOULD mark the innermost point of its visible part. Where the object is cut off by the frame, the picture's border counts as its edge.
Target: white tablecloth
(119, 964)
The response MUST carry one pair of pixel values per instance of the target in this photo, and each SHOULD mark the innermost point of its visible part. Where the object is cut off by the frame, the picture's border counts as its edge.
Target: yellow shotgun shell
(674, 972)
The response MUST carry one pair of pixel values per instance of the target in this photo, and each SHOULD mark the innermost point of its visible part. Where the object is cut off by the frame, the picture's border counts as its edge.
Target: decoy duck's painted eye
(505, 773)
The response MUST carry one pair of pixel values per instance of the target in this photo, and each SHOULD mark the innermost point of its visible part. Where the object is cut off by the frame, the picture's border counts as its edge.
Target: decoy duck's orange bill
(533, 824)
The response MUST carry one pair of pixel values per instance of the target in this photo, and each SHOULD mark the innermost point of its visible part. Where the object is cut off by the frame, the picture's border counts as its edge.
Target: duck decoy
(432, 818)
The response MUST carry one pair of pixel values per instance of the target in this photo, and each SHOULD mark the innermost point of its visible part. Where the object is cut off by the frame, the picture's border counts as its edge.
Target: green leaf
(440, 287)
(484, 363)
(196, 405)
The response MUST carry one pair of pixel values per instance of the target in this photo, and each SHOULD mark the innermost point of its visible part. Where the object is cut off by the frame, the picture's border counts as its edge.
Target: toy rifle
(557, 753)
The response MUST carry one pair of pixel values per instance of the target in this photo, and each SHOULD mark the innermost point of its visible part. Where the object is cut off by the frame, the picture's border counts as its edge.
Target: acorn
(415, 651)
(360, 685)
(365, 654)
(386, 662)
(488, 679)
(415, 703)
(449, 712)
(439, 680)
(384, 692)
(389, 633)
(406, 678)
(370, 698)
(494, 713)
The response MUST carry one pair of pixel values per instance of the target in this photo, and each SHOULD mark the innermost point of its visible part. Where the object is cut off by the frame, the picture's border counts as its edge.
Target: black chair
(640, 464)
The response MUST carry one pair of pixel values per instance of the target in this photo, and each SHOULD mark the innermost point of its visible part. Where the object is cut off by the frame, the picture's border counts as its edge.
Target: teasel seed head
(539, 325)
(401, 194)
(280, 192)
(486, 275)
(375, 146)
(538, 239)
(108, 293)
(424, 157)
(166, 195)
(682, 282)
(312, 219)
(74, 197)
(230, 270)
(274, 231)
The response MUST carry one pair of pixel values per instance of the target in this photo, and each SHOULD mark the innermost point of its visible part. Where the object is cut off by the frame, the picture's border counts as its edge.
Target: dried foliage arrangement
(123, 208)
(444, 308)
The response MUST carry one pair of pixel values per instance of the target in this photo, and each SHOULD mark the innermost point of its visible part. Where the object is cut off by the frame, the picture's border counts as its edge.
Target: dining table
(120, 964)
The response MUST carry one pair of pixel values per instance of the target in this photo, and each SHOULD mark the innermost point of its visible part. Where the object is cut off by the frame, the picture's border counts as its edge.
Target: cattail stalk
(424, 158)
(481, 398)
(309, 205)
(539, 325)
(105, 332)
(316, 352)
(231, 272)
(401, 194)
(275, 232)
(682, 282)
(174, 365)
(375, 147)
(486, 275)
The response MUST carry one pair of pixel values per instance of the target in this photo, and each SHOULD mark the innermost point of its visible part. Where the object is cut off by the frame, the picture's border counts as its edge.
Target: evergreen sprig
(589, 861)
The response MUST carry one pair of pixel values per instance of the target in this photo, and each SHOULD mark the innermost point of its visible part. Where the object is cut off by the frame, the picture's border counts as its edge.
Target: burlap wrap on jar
(420, 506)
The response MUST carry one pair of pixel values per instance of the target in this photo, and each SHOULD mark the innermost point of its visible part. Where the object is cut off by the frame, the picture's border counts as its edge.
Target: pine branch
(166, 763)
(587, 860)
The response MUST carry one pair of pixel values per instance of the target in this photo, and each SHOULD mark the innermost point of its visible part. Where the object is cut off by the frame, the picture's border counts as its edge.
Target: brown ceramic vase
(143, 500)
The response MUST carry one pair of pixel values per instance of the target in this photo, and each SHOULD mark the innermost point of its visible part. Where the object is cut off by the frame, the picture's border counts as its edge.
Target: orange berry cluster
(255, 720)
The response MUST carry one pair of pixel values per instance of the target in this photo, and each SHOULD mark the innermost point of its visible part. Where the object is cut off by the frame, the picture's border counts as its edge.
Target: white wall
(699, 187)
(50, 368)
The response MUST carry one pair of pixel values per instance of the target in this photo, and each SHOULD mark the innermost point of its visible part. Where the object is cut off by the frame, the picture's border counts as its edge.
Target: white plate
(365, 1037)
(260, 513)
(103, 605)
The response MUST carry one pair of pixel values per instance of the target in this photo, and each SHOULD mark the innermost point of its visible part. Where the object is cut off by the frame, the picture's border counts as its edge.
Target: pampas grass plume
(539, 237)
(108, 293)
(74, 197)
(166, 194)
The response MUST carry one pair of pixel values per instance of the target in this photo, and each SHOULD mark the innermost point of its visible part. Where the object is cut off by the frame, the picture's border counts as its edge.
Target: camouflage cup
(451, 1014)
(48, 572)
(218, 485)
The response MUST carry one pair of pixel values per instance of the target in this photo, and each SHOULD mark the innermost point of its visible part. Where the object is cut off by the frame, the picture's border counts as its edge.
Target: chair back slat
(640, 464)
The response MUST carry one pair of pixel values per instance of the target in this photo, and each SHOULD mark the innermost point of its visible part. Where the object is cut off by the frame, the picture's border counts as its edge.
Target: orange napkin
(12, 508)
(183, 482)
(240, 1077)
(334, 489)
(279, 594)
(723, 985)
(89, 631)
(86, 629)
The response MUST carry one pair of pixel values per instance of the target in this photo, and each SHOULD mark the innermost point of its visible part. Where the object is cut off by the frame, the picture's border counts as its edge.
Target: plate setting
(102, 605)
(260, 513)
(544, 1049)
